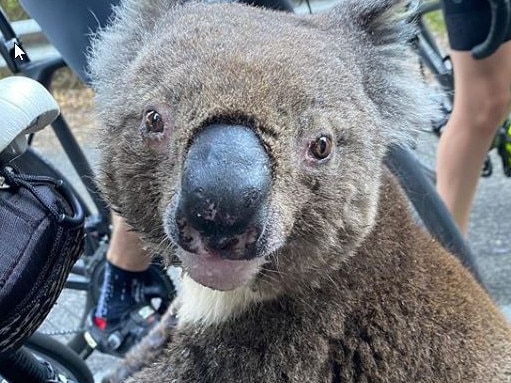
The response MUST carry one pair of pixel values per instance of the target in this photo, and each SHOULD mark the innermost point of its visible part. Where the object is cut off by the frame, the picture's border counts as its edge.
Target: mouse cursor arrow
(18, 52)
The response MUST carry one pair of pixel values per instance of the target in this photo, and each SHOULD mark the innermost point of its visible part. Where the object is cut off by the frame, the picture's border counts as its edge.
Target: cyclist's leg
(482, 96)
(127, 261)
(126, 250)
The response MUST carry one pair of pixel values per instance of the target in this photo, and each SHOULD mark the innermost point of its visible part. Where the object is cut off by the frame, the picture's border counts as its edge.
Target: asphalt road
(489, 240)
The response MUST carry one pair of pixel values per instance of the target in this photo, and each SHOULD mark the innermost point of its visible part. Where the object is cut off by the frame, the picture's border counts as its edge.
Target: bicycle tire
(65, 360)
(431, 210)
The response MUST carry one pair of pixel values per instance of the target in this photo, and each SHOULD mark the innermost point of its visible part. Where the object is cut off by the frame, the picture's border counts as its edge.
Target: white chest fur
(202, 305)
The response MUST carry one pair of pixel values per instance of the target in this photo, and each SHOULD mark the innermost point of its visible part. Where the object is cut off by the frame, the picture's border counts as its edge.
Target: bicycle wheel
(63, 360)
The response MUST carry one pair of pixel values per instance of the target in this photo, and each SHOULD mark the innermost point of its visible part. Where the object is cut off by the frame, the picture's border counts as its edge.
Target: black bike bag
(41, 235)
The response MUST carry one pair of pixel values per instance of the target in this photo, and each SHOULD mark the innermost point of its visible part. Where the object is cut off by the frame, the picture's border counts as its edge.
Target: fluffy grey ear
(381, 36)
(115, 47)
(383, 21)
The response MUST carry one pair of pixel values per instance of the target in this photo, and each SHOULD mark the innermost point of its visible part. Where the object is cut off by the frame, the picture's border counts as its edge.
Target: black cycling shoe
(116, 338)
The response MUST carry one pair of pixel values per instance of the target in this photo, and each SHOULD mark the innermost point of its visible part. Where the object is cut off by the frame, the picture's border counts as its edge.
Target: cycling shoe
(116, 338)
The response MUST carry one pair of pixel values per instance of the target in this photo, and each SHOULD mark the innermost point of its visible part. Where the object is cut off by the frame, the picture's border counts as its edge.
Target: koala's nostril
(251, 197)
(225, 243)
(225, 183)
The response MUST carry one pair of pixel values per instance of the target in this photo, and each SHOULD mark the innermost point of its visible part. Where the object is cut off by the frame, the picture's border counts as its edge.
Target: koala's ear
(382, 21)
(114, 47)
(380, 36)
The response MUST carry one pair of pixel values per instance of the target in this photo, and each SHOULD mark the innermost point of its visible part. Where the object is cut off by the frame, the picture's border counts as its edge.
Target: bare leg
(482, 96)
(126, 250)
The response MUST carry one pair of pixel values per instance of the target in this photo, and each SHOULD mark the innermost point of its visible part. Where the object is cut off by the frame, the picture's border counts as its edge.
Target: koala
(247, 145)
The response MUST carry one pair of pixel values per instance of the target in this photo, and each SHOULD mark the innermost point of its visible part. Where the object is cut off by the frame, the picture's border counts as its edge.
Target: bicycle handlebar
(500, 24)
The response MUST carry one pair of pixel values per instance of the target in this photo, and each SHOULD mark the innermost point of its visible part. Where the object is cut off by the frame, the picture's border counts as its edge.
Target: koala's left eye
(321, 147)
(153, 122)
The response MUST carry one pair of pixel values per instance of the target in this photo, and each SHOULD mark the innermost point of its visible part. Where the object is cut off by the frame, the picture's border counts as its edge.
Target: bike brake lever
(500, 24)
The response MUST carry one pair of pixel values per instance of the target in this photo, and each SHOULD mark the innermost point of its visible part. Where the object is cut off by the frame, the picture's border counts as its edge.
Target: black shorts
(467, 22)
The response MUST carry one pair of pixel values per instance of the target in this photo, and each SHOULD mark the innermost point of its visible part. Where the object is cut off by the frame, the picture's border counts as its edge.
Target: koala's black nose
(225, 184)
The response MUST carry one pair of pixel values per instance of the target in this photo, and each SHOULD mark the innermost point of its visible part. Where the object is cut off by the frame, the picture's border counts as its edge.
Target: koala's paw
(145, 352)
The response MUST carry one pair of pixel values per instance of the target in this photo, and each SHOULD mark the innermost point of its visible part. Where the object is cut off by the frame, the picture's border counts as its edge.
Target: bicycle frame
(429, 51)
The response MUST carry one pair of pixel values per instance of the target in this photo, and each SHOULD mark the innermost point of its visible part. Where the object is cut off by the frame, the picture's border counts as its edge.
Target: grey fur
(352, 290)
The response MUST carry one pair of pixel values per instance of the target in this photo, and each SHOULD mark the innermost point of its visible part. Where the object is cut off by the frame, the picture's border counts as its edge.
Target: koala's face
(247, 141)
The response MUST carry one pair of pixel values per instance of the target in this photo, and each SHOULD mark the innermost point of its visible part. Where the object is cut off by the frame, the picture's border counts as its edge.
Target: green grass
(435, 21)
(13, 10)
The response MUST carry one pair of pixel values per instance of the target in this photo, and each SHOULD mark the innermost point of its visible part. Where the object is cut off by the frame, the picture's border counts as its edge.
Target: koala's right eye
(153, 122)
(321, 147)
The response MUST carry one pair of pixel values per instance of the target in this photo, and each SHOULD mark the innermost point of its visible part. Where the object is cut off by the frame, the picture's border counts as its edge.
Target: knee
(490, 111)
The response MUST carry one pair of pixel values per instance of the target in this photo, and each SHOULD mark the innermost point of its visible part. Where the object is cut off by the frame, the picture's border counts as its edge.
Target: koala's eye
(153, 122)
(321, 147)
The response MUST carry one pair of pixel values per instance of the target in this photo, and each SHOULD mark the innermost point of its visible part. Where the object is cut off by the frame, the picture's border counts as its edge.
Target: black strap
(14, 179)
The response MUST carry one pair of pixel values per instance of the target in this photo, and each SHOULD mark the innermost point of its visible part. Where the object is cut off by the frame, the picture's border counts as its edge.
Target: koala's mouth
(218, 273)
(219, 262)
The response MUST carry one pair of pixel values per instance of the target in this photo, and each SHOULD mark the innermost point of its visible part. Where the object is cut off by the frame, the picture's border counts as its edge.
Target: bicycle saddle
(26, 107)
